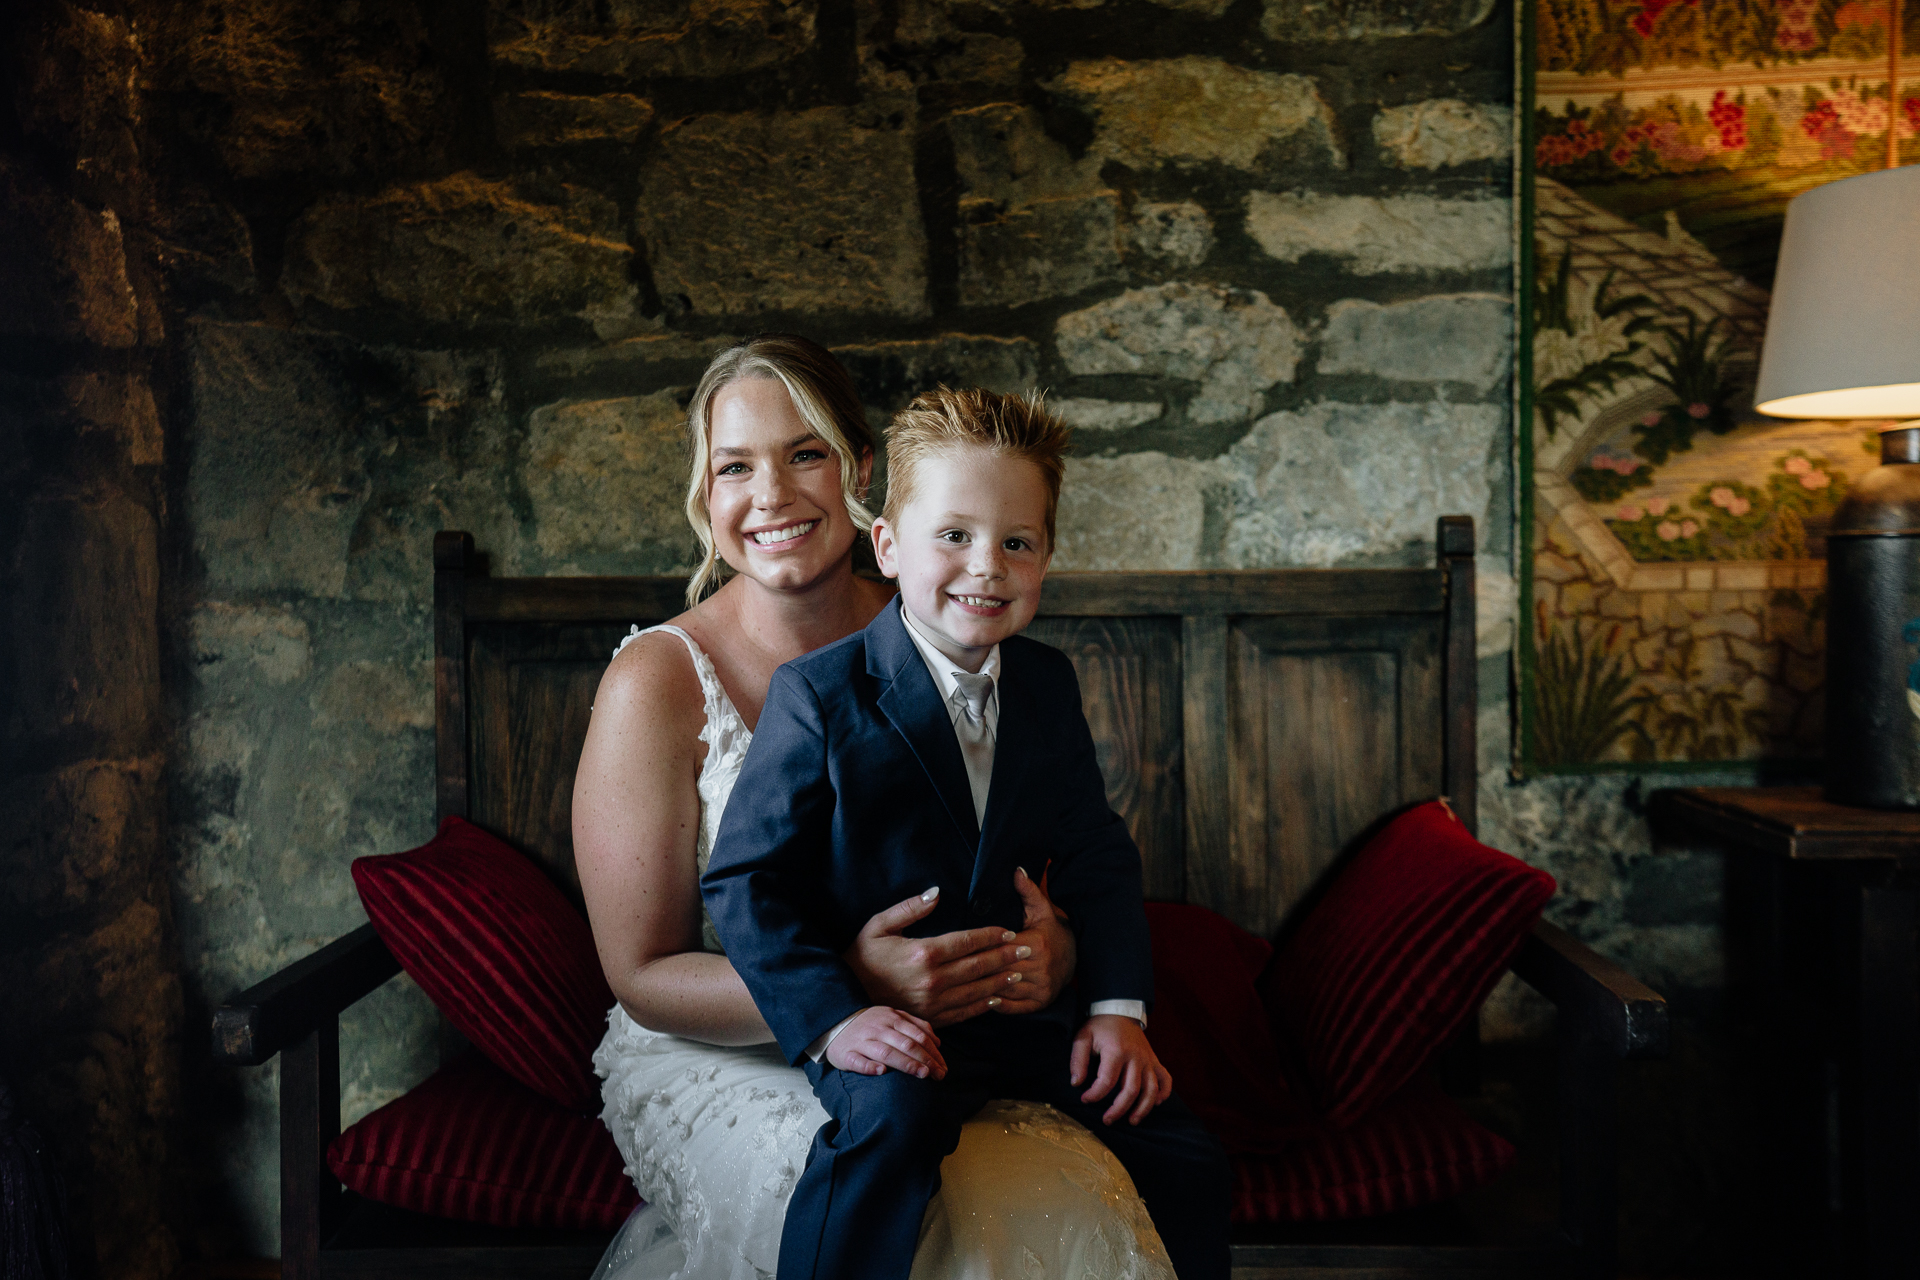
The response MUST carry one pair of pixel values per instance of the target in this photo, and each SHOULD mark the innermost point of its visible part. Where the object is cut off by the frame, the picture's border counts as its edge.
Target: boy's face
(970, 549)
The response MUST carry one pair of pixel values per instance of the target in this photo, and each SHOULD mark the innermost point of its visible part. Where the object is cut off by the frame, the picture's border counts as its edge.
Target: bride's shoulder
(652, 678)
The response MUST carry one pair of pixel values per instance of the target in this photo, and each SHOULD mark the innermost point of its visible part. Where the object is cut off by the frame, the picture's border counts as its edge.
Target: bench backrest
(1251, 723)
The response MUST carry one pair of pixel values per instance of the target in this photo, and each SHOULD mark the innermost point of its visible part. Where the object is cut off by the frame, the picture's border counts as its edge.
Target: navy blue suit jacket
(854, 796)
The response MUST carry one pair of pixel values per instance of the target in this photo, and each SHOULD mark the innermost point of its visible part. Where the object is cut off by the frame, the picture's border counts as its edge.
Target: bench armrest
(1601, 1000)
(266, 1018)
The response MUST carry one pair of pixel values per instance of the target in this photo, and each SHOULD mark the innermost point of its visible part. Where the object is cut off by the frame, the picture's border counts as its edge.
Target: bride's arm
(636, 820)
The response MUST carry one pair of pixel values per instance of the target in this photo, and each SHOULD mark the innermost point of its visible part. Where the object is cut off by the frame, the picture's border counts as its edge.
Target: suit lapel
(911, 703)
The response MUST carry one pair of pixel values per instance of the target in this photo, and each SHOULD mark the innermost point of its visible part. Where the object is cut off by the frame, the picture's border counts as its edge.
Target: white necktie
(976, 743)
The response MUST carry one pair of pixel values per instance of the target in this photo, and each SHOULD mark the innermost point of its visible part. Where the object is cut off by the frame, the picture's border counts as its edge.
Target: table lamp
(1843, 341)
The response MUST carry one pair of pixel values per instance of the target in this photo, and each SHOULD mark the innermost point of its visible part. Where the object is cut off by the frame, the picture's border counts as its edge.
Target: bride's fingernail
(1016, 977)
(930, 894)
(993, 1002)
(1008, 936)
(1023, 871)
(1022, 953)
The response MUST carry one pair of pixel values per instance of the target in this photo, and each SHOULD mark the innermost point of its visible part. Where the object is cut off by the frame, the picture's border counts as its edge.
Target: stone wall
(457, 265)
(90, 998)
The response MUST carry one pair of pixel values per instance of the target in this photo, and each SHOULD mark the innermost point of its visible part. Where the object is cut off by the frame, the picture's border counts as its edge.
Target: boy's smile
(970, 549)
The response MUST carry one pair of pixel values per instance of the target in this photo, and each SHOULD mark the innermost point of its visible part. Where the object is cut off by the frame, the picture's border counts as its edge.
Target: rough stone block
(1333, 482)
(528, 121)
(608, 482)
(1178, 233)
(93, 828)
(1442, 132)
(1196, 110)
(636, 38)
(466, 250)
(1233, 342)
(236, 646)
(80, 74)
(64, 274)
(386, 697)
(1293, 21)
(1377, 234)
(86, 662)
(321, 468)
(1136, 511)
(805, 212)
(889, 374)
(1035, 223)
(1461, 337)
(313, 89)
(121, 403)
(1106, 415)
(204, 245)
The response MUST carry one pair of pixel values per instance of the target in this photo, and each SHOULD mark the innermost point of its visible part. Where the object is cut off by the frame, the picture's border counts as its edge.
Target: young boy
(939, 746)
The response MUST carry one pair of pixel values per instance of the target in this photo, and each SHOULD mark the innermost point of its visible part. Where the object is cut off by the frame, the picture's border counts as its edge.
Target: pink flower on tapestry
(1657, 506)
(1796, 466)
(1667, 530)
(1650, 419)
(1698, 410)
(1721, 496)
(1739, 507)
(1630, 512)
(1815, 480)
(1688, 528)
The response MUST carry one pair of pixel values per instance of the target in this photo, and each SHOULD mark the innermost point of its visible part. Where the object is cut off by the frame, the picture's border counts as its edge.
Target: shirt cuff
(818, 1048)
(1135, 1009)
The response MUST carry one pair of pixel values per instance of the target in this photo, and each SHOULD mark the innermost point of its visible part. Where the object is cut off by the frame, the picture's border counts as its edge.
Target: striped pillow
(500, 951)
(1410, 937)
(1417, 1147)
(472, 1144)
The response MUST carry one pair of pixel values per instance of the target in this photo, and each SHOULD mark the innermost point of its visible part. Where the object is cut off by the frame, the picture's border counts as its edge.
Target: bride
(714, 1124)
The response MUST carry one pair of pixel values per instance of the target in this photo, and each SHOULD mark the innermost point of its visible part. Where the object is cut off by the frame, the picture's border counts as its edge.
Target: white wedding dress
(714, 1139)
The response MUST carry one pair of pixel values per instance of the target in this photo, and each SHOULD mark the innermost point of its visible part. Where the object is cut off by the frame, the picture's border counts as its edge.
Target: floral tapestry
(1673, 571)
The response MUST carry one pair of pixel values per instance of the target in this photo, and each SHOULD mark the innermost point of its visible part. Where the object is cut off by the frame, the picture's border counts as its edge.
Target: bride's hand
(945, 979)
(1052, 951)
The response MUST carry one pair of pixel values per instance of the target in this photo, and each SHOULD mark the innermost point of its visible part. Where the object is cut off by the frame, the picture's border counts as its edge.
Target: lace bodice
(727, 737)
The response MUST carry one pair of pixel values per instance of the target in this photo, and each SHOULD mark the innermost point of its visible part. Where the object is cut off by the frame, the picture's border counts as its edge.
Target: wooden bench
(1251, 725)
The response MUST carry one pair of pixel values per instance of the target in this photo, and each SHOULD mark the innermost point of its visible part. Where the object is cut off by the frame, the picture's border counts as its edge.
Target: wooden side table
(1824, 946)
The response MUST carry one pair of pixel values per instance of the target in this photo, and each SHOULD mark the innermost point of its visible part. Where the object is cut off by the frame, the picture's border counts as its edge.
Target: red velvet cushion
(503, 955)
(471, 1143)
(1405, 945)
(1211, 1031)
(1413, 1149)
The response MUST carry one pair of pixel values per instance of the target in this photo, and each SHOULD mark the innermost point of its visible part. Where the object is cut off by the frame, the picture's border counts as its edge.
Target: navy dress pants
(856, 1211)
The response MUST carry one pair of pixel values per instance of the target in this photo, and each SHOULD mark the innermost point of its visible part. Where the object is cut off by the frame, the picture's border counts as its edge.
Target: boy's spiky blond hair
(1019, 426)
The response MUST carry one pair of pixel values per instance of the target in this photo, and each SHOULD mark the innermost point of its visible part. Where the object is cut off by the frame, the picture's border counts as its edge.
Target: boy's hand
(1126, 1059)
(879, 1037)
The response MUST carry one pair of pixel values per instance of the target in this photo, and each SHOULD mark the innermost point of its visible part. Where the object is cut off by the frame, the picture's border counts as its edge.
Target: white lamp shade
(1843, 335)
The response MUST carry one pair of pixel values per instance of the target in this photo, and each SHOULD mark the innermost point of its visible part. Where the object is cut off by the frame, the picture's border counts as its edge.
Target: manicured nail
(1023, 872)
(930, 894)
(1016, 977)
(993, 1002)
(1008, 937)
(1022, 952)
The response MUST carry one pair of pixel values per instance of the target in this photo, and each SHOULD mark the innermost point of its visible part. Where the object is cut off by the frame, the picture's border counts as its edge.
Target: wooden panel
(1268, 591)
(1208, 745)
(1129, 670)
(575, 599)
(533, 687)
(1331, 723)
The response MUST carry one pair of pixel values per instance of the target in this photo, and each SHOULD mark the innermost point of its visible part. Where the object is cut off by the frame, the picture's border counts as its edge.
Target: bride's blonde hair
(824, 396)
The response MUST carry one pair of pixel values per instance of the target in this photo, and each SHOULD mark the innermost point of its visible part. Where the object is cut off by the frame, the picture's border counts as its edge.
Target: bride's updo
(827, 402)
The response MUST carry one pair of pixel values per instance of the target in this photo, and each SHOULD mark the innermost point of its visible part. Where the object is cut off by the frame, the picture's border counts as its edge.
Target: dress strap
(710, 687)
